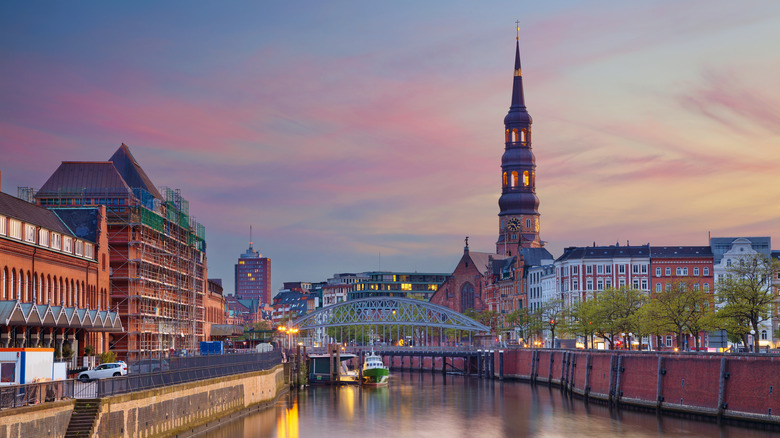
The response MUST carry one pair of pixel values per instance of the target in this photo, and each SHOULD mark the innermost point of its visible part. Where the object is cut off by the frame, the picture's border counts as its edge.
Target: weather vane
(517, 22)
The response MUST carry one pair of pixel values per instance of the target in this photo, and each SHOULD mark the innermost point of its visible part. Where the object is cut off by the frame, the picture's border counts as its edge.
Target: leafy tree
(681, 308)
(582, 319)
(616, 310)
(551, 315)
(746, 293)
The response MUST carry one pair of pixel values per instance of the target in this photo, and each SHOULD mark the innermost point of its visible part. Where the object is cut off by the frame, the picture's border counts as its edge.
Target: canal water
(431, 405)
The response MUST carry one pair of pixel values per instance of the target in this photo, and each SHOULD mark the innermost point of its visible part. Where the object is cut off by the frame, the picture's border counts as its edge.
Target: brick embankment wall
(740, 388)
(180, 408)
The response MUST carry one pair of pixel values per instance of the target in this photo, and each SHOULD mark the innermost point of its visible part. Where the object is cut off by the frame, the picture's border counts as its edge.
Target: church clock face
(513, 224)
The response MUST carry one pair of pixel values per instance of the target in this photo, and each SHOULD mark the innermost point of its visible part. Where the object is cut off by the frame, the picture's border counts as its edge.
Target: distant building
(728, 251)
(582, 272)
(253, 276)
(417, 285)
(465, 288)
(214, 307)
(288, 305)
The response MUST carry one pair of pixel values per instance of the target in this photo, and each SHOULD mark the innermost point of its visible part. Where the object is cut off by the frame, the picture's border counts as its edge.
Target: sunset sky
(358, 136)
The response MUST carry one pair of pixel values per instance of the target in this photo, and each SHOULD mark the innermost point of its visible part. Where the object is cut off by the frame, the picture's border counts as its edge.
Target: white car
(111, 369)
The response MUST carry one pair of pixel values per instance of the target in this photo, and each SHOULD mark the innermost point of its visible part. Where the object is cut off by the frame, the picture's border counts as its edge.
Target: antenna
(250, 235)
(517, 22)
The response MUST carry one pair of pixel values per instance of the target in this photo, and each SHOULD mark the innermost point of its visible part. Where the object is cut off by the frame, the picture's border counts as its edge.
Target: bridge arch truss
(387, 311)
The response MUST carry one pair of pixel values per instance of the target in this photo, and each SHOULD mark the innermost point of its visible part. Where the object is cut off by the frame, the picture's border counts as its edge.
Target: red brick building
(54, 282)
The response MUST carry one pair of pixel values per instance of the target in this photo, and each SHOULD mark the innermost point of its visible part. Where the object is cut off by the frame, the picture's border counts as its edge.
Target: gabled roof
(535, 256)
(85, 178)
(481, 260)
(26, 212)
(132, 172)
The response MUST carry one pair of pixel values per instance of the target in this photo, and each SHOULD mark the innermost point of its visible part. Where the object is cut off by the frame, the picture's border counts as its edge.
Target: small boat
(374, 370)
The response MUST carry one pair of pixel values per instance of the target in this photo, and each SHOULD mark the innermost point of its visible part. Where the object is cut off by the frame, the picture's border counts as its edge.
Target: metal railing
(155, 373)
(149, 373)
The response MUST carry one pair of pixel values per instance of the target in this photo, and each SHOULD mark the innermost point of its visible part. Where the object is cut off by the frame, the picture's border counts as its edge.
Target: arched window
(48, 289)
(466, 297)
(525, 179)
(514, 135)
(514, 179)
(763, 335)
(504, 179)
(522, 135)
(507, 135)
(4, 285)
(706, 287)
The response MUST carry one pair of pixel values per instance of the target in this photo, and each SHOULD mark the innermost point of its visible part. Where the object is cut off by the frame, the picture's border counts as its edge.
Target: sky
(356, 136)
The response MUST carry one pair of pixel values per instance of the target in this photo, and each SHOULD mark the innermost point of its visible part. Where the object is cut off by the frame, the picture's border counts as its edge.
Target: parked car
(111, 369)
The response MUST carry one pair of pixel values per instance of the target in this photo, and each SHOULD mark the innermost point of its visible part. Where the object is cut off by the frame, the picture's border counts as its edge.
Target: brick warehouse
(54, 282)
(157, 251)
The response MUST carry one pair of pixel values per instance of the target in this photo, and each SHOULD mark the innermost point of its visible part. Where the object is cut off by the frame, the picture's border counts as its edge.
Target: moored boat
(374, 370)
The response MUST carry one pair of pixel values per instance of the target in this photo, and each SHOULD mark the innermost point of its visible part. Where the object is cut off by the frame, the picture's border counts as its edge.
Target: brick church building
(496, 281)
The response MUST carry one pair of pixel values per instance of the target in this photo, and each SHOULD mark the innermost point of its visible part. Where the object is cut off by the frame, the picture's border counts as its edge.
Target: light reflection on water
(428, 405)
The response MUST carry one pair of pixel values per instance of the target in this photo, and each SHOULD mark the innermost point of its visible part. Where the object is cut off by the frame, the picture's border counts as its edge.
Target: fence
(155, 373)
(144, 374)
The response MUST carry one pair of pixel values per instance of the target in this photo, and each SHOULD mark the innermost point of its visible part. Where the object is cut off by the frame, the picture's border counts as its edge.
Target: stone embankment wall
(166, 411)
(712, 385)
(175, 409)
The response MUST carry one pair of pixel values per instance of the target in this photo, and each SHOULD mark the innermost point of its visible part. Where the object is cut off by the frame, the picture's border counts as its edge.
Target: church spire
(518, 100)
(518, 204)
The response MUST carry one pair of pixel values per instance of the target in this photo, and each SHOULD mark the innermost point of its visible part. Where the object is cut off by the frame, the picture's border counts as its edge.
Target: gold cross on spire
(517, 22)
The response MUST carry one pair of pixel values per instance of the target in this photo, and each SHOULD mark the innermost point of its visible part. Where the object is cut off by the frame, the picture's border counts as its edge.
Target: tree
(745, 292)
(582, 319)
(616, 310)
(681, 308)
(550, 316)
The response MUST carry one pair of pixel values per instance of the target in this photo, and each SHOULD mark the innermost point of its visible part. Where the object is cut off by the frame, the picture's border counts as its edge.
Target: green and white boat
(375, 372)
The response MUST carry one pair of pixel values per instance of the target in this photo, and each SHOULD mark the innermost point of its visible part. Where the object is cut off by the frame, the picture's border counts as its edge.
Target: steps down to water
(83, 418)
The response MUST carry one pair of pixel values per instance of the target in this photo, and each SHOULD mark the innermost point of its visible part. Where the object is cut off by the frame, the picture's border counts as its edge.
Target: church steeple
(518, 204)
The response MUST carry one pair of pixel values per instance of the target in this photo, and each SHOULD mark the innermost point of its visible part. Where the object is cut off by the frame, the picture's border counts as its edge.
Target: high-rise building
(157, 251)
(518, 219)
(253, 276)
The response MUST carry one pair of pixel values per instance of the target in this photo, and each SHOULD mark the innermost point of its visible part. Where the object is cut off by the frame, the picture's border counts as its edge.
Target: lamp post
(752, 340)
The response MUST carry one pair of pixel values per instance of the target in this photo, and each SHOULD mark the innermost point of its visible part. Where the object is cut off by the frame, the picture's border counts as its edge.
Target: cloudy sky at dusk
(345, 130)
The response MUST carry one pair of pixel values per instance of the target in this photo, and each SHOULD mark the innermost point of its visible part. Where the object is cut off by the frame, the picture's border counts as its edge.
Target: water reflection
(430, 405)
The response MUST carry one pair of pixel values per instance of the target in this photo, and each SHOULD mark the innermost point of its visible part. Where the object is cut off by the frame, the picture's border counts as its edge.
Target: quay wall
(739, 388)
(162, 412)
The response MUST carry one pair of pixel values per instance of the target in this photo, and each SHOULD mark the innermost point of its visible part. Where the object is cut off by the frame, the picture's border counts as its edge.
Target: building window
(589, 270)
(678, 271)
(88, 251)
(706, 271)
(696, 286)
(514, 178)
(15, 229)
(600, 284)
(635, 269)
(636, 284)
(657, 272)
(56, 241)
(621, 282)
(763, 335)
(644, 284)
(608, 269)
(574, 269)
(658, 287)
(29, 233)
(685, 272)
(67, 245)
(574, 284)
(608, 283)
(600, 269)
(79, 248)
(590, 284)
(2, 225)
(706, 287)
(644, 269)
(668, 340)
(504, 186)
(696, 271)
(43, 237)
(528, 223)
(668, 271)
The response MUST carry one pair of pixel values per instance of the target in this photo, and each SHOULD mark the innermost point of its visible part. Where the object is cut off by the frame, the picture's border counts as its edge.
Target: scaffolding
(157, 268)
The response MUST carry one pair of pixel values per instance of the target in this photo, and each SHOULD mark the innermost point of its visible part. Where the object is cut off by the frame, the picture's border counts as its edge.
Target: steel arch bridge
(387, 311)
